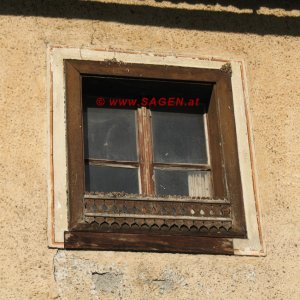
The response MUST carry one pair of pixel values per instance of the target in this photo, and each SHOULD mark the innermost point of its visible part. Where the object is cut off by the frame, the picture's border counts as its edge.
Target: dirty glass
(110, 134)
(183, 182)
(111, 179)
(178, 138)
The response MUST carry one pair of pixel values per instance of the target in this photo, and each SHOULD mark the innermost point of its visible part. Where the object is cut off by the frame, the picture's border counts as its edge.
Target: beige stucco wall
(29, 270)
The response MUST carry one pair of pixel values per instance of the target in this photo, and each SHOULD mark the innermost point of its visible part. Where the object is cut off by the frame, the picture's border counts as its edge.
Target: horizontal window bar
(111, 163)
(181, 166)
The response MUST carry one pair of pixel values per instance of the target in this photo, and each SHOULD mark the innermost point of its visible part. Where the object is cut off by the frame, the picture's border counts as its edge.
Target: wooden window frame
(227, 192)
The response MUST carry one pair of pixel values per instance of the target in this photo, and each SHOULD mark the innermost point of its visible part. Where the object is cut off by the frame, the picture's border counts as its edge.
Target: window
(189, 183)
(152, 177)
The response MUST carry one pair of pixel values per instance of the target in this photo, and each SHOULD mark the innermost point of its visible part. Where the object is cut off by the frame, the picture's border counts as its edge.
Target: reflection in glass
(110, 134)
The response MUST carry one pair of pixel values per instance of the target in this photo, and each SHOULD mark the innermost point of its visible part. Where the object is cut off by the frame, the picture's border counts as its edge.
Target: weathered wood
(164, 215)
(119, 68)
(145, 151)
(230, 153)
(215, 146)
(159, 199)
(214, 229)
(147, 242)
(181, 166)
(111, 163)
(75, 144)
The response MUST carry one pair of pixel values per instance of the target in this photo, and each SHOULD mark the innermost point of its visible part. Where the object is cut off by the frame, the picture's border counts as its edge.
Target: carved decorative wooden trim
(203, 217)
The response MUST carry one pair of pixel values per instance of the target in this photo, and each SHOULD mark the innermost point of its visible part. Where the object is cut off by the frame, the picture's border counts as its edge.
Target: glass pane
(183, 182)
(111, 179)
(110, 134)
(178, 138)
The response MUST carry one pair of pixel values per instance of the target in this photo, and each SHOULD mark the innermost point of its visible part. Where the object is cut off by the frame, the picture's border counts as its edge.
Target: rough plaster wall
(29, 270)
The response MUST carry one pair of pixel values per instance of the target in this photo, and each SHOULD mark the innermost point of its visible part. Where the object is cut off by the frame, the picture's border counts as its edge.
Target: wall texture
(267, 41)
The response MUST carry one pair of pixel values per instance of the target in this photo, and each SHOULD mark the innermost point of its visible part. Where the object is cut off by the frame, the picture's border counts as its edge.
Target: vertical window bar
(145, 151)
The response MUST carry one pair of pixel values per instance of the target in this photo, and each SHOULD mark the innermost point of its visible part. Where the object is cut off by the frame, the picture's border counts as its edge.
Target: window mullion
(145, 151)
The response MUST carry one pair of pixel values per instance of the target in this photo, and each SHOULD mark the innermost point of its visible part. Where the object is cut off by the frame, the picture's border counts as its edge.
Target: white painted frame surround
(57, 162)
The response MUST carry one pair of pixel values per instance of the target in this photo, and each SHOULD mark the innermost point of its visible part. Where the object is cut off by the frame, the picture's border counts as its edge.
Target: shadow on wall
(147, 15)
(243, 4)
